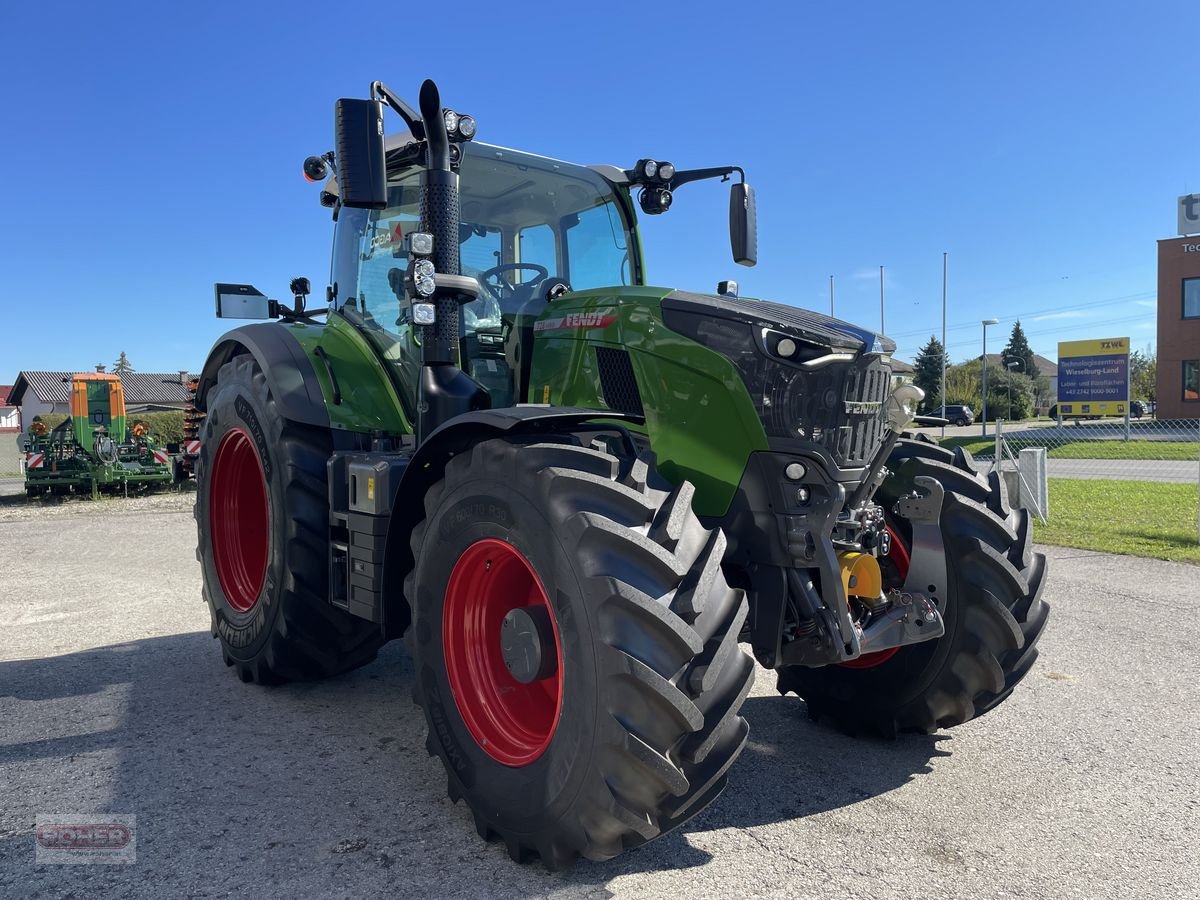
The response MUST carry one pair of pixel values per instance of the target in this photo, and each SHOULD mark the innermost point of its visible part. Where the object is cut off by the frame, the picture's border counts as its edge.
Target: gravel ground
(114, 699)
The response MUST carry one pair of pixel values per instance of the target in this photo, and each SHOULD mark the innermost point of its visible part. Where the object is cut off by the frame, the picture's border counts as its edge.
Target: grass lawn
(1136, 518)
(982, 446)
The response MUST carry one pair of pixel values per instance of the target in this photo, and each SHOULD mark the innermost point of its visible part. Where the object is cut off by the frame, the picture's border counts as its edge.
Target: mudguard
(282, 359)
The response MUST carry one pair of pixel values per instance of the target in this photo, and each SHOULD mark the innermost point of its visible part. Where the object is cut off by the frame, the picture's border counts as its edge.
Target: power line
(1030, 315)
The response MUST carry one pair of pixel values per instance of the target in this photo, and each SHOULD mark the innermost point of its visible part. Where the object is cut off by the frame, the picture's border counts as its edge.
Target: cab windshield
(526, 220)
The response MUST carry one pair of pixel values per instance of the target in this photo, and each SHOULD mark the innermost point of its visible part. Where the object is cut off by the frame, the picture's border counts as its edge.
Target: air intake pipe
(440, 218)
(446, 391)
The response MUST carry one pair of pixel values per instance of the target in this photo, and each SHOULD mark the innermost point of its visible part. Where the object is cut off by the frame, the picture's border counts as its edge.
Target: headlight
(666, 171)
(424, 313)
(423, 273)
(451, 119)
(420, 243)
(466, 127)
(649, 168)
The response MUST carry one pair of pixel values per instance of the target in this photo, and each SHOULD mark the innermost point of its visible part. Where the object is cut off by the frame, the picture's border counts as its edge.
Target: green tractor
(578, 494)
(96, 449)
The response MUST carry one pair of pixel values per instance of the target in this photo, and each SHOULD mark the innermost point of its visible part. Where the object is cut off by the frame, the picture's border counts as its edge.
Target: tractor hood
(804, 324)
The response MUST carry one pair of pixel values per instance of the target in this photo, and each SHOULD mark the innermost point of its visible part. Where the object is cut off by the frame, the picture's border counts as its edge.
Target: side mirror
(358, 153)
(743, 224)
(242, 301)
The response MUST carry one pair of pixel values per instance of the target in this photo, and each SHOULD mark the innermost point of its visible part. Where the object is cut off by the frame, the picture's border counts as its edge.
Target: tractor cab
(532, 228)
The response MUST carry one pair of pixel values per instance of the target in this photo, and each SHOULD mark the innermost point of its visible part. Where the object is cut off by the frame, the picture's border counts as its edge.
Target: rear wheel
(575, 645)
(993, 611)
(262, 519)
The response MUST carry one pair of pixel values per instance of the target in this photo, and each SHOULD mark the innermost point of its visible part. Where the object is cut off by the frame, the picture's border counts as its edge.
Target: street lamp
(1010, 365)
(983, 360)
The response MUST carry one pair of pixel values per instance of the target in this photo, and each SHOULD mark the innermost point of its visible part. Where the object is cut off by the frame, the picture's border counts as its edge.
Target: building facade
(10, 416)
(1178, 390)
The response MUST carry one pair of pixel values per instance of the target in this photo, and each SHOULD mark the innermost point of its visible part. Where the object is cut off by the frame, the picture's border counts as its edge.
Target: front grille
(866, 391)
(838, 407)
(618, 382)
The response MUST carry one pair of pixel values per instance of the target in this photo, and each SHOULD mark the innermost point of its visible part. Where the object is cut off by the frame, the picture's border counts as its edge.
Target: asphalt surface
(114, 699)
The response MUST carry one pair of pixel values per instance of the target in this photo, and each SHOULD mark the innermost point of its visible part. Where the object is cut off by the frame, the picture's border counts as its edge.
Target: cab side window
(347, 239)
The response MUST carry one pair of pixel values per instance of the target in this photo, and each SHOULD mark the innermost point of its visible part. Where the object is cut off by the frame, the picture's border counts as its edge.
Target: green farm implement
(93, 451)
(580, 495)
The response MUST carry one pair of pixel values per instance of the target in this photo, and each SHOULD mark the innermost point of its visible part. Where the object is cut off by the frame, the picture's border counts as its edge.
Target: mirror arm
(689, 175)
(380, 91)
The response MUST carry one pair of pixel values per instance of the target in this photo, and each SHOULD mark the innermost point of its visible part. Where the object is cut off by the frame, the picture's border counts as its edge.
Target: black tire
(993, 610)
(652, 677)
(961, 423)
(291, 631)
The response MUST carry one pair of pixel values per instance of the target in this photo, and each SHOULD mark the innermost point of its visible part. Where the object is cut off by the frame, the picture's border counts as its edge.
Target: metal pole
(983, 361)
(831, 295)
(1128, 398)
(882, 329)
(944, 350)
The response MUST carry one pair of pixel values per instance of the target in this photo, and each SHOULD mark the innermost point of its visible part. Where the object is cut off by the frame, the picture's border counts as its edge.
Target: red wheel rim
(239, 520)
(898, 554)
(512, 722)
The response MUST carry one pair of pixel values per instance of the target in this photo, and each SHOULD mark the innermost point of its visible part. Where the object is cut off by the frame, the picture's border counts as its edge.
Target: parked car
(1137, 409)
(958, 415)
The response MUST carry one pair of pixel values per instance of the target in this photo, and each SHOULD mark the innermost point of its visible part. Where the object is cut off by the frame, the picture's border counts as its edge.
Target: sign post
(1093, 379)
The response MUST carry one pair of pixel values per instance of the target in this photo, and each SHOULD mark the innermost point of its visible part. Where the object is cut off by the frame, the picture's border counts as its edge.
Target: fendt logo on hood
(862, 407)
(587, 321)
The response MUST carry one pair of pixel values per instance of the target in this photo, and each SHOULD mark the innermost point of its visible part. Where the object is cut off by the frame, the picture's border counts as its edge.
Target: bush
(165, 426)
(1010, 394)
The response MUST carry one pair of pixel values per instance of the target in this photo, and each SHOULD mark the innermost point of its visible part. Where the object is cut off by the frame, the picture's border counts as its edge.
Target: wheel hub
(527, 644)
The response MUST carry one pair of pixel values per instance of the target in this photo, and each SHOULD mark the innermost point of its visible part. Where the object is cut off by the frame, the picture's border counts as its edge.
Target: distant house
(40, 393)
(10, 416)
(1047, 368)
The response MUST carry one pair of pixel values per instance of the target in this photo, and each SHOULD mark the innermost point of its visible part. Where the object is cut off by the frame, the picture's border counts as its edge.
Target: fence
(1121, 453)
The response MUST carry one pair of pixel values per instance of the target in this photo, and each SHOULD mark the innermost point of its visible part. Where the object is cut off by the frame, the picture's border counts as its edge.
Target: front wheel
(575, 646)
(992, 608)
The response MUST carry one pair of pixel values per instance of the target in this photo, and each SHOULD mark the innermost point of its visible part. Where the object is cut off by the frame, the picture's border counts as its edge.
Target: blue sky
(153, 149)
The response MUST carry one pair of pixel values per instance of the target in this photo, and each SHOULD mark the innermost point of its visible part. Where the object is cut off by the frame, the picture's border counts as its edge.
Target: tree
(1010, 394)
(962, 384)
(1143, 374)
(122, 364)
(1018, 348)
(927, 374)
